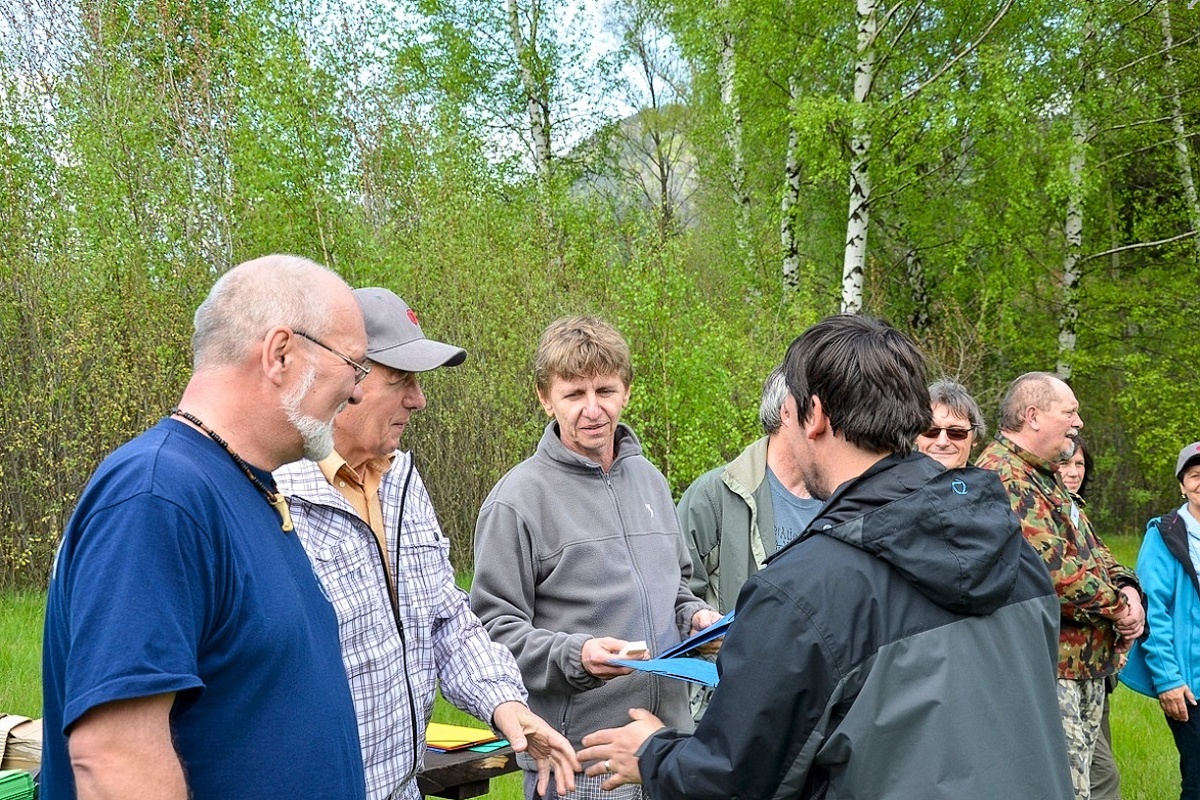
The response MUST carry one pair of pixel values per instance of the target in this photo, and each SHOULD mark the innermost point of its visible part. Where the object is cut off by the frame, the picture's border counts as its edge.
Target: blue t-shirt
(792, 514)
(174, 576)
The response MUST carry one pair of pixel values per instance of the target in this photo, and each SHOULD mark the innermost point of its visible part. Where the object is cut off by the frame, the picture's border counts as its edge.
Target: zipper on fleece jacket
(647, 617)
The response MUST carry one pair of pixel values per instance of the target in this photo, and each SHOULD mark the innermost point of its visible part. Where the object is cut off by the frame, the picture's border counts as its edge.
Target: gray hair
(954, 396)
(1031, 389)
(253, 297)
(774, 394)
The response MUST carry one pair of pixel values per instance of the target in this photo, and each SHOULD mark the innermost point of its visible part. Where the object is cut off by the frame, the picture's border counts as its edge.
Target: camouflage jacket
(1086, 576)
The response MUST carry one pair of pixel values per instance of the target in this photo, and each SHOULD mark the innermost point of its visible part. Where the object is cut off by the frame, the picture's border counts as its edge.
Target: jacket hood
(950, 533)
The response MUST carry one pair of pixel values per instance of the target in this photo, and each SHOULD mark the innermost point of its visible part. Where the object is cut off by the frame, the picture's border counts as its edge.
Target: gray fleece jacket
(565, 552)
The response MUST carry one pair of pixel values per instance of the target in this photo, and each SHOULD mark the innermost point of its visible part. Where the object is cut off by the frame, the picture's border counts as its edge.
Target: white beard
(316, 434)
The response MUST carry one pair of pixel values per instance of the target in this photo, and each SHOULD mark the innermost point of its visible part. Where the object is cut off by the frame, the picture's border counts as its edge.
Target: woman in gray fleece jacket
(578, 551)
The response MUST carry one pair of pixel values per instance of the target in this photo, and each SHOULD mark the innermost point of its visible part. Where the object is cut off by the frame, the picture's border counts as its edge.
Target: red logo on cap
(412, 317)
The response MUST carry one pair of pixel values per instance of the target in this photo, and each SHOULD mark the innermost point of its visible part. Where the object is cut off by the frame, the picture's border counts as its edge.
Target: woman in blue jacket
(1166, 664)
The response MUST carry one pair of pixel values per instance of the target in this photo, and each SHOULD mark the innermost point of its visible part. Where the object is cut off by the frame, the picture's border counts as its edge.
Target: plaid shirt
(394, 676)
(1086, 577)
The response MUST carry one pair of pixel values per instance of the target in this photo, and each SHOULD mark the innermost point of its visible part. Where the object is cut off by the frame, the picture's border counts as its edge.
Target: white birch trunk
(1183, 156)
(860, 152)
(727, 73)
(537, 105)
(1073, 235)
(1073, 224)
(791, 196)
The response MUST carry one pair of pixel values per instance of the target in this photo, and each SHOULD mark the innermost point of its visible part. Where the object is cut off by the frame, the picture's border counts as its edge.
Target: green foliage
(148, 147)
(688, 366)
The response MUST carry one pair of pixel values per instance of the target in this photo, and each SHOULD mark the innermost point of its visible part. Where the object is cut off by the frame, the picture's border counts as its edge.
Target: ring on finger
(607, 767)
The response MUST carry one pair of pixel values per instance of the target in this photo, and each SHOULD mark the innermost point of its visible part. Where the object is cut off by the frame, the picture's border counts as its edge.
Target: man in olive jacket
(738, 515)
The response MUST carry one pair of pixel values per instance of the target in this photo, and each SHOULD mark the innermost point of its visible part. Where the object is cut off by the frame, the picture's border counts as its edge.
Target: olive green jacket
(729, 525)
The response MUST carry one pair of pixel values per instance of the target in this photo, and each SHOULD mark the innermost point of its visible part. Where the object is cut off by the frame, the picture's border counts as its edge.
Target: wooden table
(462, 773)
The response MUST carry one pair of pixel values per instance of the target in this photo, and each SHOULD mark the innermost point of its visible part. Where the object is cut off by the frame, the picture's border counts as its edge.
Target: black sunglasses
(954, 434)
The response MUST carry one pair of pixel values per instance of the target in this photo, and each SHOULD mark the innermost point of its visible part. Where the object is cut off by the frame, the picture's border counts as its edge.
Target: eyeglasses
(954, 434)
(360, 370)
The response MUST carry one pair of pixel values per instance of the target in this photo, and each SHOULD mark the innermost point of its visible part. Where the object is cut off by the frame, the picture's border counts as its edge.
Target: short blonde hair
(580, 347)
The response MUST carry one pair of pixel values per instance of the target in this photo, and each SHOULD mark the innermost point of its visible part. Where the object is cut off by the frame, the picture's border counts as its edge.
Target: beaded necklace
(276, 499)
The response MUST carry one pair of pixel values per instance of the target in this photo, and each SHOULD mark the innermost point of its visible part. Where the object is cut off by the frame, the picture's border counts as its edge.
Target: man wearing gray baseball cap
(369, 528)
(395, 338)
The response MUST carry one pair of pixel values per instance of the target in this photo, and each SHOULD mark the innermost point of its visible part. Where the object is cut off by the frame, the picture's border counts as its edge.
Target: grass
(1145, 751)
(21, 653)
(1142, 743)
(506, 787)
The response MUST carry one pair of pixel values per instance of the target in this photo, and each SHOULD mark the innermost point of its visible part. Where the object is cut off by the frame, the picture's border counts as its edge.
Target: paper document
(714, 631)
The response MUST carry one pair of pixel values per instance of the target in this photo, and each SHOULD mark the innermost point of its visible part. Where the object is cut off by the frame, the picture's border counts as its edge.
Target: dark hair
(1082, 447)
(870, 378)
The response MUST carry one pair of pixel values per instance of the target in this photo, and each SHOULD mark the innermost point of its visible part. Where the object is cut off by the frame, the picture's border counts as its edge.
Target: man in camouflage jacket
(1102, 610)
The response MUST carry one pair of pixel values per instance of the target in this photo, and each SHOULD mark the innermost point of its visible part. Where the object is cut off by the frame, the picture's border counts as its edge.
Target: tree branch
(959, 56)
(1140, 246)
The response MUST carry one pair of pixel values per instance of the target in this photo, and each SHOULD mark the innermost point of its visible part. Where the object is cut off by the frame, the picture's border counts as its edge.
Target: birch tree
(1074, 217)
(525, 26)
(654, 154)
(790, 196)
(734, 128)
(1073, 239)
(1183, 156)
(859, 220)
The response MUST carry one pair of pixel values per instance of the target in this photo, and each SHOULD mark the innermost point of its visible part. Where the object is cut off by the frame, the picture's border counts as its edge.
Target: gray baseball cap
(394, 336)
(1186, 456)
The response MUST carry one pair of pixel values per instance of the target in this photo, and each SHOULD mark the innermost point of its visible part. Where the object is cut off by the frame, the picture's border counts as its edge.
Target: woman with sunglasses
(957, 424)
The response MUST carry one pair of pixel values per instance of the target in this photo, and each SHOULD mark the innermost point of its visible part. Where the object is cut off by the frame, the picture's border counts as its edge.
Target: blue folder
(675, 662)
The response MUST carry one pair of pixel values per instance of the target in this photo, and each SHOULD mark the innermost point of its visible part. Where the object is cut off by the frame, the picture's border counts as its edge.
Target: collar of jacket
(1039, 464)
(950, 533)
(627, 446)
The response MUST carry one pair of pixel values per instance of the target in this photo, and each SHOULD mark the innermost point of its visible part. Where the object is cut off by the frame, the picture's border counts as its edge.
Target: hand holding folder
(675, 661)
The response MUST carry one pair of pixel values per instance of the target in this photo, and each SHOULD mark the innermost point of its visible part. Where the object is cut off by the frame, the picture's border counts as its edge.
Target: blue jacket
(1169, 656)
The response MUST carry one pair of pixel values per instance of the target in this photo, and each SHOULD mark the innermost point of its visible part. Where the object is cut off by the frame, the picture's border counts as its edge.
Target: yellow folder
(440, 736)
